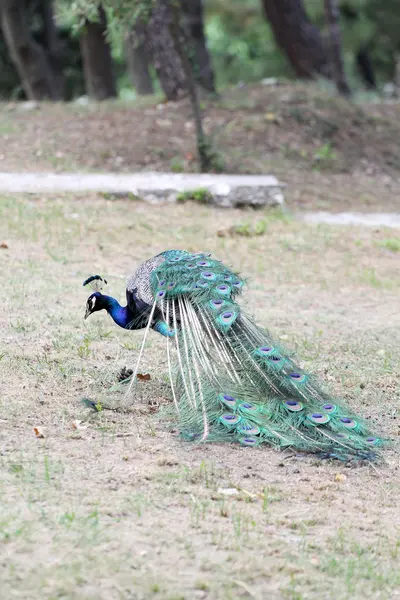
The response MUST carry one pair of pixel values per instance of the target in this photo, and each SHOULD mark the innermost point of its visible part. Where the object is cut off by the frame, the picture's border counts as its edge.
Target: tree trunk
(332, 19)
(193, 22)
(52, 42)
(365, 68)
(397, 75)
(202, 143)
(97, 61)
(29, 57)
(161, 49)
(297, 37)
(137, 60)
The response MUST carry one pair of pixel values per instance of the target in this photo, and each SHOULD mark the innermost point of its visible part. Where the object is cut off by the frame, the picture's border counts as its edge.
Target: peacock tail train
(233, 382)
(230, 380)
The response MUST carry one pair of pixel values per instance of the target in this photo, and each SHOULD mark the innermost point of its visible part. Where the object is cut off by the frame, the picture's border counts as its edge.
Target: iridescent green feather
(233, 381)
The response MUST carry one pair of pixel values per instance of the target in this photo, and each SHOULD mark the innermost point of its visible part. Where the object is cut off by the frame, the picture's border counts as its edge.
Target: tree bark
(297, 37)
(97, 61)
(137, 60)
(193, 22)
(30, 60)
(397, 75)
(365, 68)
(332, 19)
(52, 42)
(202, 143)
(161, 49)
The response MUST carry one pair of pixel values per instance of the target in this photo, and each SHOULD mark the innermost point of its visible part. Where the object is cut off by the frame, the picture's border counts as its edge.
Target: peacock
(230, 380)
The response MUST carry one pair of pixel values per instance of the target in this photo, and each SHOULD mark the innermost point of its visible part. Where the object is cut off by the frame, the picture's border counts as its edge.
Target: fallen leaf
(4, 245)
(272, 117)
(340, 477)
(38, 432)
(77, 425)
(145, 377)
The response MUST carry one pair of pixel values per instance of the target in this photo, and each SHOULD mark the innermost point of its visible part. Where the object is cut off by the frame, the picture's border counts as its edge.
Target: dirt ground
(331, 154)
(115, 506)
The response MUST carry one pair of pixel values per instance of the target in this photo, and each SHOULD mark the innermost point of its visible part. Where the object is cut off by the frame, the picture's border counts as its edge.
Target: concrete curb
(226, 190)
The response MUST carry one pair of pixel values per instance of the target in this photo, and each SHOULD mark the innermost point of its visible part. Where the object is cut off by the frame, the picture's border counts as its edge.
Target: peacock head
(94, 303)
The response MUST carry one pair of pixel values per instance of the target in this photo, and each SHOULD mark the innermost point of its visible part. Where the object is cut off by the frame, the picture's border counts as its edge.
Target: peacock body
(230, 380)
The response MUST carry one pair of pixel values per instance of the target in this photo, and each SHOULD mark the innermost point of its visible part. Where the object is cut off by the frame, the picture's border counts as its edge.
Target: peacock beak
(87, 313)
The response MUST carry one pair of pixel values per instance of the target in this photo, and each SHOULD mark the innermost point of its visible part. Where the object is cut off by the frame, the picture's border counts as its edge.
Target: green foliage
(122, 14)
(176, 165)
(239, 38)
(369, 24)
(325, 156)
(201, 195)
(241, 42)
(84, 348)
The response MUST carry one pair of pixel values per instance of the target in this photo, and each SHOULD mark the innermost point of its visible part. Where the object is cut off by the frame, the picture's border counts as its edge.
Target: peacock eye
(92, 302)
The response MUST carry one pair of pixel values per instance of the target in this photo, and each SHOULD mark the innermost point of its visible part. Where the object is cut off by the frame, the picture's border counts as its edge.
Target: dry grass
(122, 509)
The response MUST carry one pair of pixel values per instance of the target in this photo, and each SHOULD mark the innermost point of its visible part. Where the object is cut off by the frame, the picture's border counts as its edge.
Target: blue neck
(122, 315)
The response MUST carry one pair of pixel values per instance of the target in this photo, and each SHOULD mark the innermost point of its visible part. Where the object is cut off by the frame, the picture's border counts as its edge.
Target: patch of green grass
(391, 244)
(369, 276)
(176, 165)
(7, 127)
(249, 230)
(324, 157)
(201, 195)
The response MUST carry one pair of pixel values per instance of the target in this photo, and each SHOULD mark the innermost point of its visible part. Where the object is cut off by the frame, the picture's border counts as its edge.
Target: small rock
(29, 105)
(164, 123)
(228, 491)
(82, 100)
(270, 81)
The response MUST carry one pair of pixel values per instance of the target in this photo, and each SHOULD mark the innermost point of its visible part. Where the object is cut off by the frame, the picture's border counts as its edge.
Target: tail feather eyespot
(293, 405)
(249, 441)
(230, 420)
(228, 400)
(318, 418)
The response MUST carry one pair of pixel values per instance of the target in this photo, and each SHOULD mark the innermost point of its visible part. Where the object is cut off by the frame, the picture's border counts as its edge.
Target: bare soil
(115, 506)
(331, 154)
